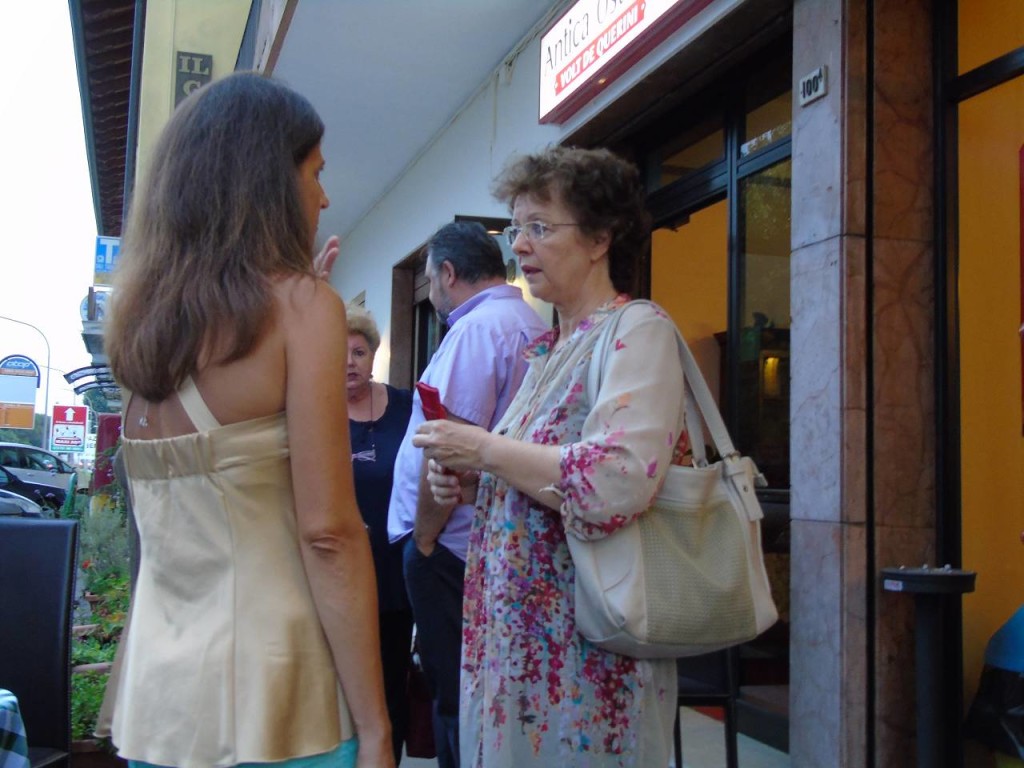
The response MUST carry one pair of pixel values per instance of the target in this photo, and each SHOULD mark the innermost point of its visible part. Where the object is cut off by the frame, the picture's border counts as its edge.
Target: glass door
(763, 359)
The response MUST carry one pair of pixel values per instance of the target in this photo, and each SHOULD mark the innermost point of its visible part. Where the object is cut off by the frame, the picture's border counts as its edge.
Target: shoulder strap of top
(196, 407)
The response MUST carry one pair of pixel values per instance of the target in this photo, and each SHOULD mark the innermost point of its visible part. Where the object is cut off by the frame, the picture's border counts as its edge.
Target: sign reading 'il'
(191, 71)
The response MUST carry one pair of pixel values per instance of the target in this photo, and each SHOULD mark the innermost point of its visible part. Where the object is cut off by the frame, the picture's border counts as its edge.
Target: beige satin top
(225, 660)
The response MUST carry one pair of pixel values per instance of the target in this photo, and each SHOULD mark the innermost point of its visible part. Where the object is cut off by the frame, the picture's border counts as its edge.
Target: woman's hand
(452, 445)
(323, 262)
(528, 467)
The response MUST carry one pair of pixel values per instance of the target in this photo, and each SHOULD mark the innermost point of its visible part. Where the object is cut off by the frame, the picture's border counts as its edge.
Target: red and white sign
(595, 41)
(69, 425)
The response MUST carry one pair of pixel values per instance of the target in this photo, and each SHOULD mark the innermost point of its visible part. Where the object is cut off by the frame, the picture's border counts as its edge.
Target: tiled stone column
(833, 339)
(904, 357)
(829, 406)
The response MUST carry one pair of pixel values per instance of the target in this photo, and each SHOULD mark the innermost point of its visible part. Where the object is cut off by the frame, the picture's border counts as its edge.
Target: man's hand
(445, 486)
(431, 517)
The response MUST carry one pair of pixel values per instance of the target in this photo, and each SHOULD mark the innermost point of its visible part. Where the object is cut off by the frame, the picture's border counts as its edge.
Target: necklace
(371, 453)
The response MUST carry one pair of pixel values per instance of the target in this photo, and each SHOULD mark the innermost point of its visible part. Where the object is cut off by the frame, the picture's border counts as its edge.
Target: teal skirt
(342, 757)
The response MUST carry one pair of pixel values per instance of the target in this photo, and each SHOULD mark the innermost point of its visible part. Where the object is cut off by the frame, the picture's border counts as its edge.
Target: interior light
(770, 377)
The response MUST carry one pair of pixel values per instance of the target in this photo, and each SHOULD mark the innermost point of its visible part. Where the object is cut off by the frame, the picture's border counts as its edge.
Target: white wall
(453, 176)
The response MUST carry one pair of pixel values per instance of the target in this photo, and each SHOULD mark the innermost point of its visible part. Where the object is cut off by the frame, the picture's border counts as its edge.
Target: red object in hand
(430, 398)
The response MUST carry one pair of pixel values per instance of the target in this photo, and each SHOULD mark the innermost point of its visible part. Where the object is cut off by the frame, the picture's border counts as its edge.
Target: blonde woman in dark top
(378, 416)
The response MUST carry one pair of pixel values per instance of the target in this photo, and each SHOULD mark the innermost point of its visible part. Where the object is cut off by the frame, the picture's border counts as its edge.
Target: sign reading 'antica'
(579, 49)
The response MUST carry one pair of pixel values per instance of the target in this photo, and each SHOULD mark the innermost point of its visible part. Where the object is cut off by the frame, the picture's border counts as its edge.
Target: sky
(48, 220)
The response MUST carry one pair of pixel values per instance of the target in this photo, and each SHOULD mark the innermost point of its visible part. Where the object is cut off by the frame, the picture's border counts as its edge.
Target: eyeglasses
(533, 230)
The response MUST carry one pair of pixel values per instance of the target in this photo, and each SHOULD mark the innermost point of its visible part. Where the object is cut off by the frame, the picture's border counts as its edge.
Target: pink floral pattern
(534, 691)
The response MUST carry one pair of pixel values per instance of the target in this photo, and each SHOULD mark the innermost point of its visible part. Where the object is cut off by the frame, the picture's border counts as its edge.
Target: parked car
(44, 495)
(39, 470)
(15, 505)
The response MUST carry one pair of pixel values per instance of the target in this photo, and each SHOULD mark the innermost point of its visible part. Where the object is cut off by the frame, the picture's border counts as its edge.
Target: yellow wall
(689, 278)
(196, 26)
(987, 30)
(991, 135)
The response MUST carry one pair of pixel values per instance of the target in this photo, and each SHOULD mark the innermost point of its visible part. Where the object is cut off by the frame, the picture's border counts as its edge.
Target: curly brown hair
(602, 190)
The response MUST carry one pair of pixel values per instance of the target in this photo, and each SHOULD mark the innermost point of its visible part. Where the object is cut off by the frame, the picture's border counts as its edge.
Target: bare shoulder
(304, 303)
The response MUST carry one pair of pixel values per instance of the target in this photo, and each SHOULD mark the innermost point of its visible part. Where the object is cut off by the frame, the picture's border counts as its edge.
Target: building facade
(837, 190)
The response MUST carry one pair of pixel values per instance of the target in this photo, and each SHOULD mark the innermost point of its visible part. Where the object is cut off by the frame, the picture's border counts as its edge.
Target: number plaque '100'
(813, 86)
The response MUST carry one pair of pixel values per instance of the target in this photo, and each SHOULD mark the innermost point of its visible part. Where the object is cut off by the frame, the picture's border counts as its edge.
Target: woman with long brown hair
(253, 635)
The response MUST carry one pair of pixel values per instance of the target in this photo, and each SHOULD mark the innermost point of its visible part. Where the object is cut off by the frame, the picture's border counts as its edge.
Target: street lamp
(74, 395)
(46, 397)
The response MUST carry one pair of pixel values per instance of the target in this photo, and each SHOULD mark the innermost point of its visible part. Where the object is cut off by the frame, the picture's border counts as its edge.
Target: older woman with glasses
(564, 461)
(378, 415)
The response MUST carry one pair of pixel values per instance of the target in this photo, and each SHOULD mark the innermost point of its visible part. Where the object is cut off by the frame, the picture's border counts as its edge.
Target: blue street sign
(107, 251)
(19, 365)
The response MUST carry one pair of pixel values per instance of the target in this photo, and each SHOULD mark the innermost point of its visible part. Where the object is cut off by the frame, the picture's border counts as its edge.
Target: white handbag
(687, 577)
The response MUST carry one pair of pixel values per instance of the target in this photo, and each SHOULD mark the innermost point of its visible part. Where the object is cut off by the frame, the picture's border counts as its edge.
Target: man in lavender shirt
(478, 368)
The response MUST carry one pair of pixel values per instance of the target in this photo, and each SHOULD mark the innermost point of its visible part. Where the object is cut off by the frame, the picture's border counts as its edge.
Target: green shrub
(86, 698)
(87, 688)
(103, 548)
(110, 613)
(76, 506)
(104, 554)
(92, 650)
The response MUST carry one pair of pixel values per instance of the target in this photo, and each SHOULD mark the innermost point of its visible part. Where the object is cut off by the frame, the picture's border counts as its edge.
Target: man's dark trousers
(434, 585)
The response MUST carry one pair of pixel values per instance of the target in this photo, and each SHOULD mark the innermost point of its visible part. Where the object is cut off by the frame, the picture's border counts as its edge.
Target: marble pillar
(862, 408)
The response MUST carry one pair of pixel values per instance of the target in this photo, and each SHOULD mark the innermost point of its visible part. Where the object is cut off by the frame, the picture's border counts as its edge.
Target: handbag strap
(706, 411)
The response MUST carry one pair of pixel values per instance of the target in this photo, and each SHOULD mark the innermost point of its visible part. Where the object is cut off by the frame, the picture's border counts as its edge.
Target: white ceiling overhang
(387, 76)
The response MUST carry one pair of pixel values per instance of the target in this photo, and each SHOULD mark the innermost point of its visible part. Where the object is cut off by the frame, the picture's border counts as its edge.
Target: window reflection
(691, 150)
(764, 334)
(767, 123)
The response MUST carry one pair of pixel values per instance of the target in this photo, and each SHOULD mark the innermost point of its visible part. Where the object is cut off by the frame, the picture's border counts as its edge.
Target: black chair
(710, 680)
(37, 568)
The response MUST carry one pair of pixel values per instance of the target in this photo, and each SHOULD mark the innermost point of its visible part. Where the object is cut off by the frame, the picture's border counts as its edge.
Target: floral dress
(534, 692)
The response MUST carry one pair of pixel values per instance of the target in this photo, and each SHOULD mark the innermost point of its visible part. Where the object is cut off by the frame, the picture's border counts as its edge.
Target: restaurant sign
(595, 41)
